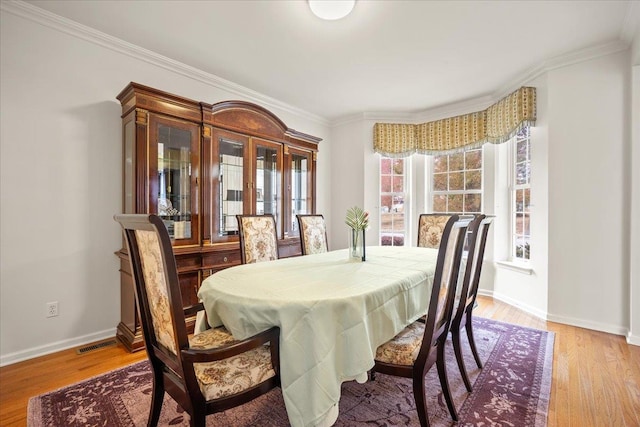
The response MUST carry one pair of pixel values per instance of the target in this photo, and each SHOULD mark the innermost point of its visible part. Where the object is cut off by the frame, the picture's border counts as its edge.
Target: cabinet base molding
(131, 340)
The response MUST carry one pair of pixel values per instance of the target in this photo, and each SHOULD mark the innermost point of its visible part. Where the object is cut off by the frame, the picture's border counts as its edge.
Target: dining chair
(413, 351)
(313, 234)
(204, 374)
(258, 238)
(462, 318)
(430, 229)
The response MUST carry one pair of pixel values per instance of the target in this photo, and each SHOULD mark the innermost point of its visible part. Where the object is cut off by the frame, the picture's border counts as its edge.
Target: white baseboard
(524, 307)
(588, 324)
(580, 323)
(19, 356)
(633, 339)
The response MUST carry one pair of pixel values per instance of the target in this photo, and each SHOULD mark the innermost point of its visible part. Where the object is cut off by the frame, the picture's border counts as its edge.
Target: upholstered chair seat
(403, 349)
(231, 375)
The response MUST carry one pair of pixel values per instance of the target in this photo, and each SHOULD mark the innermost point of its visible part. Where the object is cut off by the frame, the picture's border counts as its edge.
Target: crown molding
(482, 102)
(72, 28)
(345, 120)
(388, 117)
(455, 109)
(561, 61)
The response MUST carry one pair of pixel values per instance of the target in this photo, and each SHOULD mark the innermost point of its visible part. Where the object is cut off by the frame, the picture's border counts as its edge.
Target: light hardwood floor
(596, 376)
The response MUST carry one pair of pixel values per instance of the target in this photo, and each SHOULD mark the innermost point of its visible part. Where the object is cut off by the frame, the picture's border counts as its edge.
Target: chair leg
(198, 418)
(420, 396)
(444, 382)
(455, 337)
(472, 342)
(157, 396)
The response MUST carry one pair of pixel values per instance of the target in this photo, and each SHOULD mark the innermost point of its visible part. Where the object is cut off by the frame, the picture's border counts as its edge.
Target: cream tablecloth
(333, 313)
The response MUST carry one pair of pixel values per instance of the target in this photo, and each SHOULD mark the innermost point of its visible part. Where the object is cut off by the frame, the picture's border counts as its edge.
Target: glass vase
(356, 245)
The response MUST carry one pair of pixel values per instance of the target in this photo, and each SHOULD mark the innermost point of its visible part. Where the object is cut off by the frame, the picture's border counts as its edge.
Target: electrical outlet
(52, 309)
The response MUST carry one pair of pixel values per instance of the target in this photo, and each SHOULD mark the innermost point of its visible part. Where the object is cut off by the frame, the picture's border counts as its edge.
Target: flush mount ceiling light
(331, 9)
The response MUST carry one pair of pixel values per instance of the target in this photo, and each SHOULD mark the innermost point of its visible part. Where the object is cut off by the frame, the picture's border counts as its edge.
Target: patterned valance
(496, 124)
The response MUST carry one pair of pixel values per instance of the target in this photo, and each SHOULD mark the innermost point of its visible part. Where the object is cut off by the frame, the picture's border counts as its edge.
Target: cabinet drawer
(222, 258)
(188, 262)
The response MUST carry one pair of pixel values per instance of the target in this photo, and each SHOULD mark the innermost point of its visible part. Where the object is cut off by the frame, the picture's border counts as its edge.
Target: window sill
(517, 267)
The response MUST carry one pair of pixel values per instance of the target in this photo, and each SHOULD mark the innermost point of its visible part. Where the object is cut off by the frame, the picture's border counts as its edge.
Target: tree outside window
(392, 201)
(521, 196)
(457, 182)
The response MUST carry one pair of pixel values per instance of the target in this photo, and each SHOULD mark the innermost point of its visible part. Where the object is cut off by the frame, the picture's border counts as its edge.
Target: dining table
(332, 312)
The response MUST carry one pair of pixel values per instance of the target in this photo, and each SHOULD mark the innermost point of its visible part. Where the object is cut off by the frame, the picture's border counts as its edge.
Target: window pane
(440, 182)
(519, 224)
(398, 222)
(385, 221)
(440, 203)
(385, 183)
(521, 150)
(455, 203)
(522, 247)
(440, 164)
(522, 173)
(527, 200)
(519, 200)
(385, 203)
(472, 203)
(456, 181)
(456, 161)
(398, 204)
(398, 166)
(398, 184)
(473, 180)
(526, 225)
(385, 166)
(473, 159)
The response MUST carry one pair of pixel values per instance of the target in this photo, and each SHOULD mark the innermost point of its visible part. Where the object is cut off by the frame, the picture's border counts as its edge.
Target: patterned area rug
(512, 390)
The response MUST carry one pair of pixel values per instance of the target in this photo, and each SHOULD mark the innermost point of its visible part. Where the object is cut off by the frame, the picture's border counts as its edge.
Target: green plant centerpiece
(358, 221)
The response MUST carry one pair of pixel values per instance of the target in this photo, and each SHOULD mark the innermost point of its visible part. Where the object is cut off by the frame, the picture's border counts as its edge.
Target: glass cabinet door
(229, 182)
(299, 186)
(267, 179)
(173, 171)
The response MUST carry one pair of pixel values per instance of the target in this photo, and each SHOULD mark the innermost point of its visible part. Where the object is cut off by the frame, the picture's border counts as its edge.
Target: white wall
(589, 183)
(347, 179)
(634, 275)
(61, 173)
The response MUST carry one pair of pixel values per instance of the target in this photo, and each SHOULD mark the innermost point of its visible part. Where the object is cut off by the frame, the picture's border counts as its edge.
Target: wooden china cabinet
(197, 166)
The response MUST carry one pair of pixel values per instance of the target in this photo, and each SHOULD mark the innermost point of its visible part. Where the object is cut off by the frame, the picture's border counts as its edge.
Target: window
(393, 189)
(521, 196)
(457, 182)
